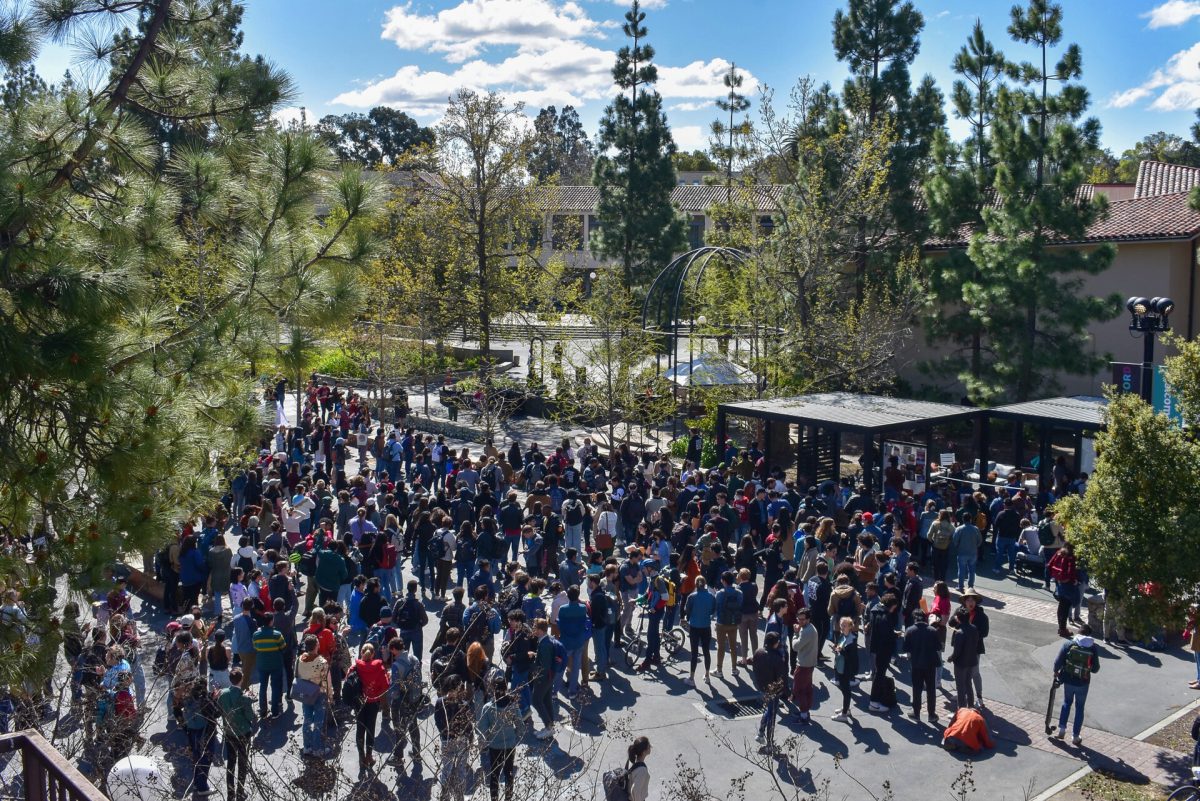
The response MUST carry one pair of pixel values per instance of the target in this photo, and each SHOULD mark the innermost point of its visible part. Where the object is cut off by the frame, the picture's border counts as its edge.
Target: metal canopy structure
(823, 419)
(1084, 412)
(1078, 414)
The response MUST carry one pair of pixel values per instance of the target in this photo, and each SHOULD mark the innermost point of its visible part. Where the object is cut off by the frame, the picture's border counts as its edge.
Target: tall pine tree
(634, 171)
(1032, 291)
(878, 40)
(731, 140)
(955, 194)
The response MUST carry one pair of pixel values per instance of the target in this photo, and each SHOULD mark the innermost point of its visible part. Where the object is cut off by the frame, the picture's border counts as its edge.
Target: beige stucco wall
(1140, 268)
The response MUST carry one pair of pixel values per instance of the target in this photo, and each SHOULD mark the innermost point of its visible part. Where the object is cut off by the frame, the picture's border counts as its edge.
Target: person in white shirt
(1029, 539)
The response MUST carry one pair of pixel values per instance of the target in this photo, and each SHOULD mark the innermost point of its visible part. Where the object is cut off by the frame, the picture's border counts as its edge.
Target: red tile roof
(1159, 178)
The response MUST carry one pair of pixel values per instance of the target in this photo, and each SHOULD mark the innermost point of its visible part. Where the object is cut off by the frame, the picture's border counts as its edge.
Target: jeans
(520, 683)
(364, 731)
(766, 725)
(414, 638)
(314, 726)
(1197, 655)
(654, 637)
(963, 687)
(574, 536)
(1073, 694)
(512, 544)
(922, 681)
(237, 762)
(966, 571)
(1006, 549)
(574, 663)
(199, 741)
(941, 563)
(405, 728)
(273, 677)
(384, 574)
(600, 647)
(543, 699)
(701, 641)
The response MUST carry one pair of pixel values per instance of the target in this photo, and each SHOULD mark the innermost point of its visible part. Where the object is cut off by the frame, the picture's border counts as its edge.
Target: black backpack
(352, 689)
(437, 545)
(573, 512)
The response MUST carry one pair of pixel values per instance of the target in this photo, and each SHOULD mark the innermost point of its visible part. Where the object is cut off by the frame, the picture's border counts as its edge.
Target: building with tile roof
(1156, 233)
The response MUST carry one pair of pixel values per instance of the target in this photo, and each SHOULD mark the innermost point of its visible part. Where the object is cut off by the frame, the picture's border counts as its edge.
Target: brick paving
(1009, 604)
(1100, 750)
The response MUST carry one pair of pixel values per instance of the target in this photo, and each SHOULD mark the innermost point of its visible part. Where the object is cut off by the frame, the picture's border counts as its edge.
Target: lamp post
(1149, 316)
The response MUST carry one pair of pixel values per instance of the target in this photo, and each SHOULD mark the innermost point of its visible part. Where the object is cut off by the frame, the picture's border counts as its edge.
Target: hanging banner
(912, 461)
(1163, 397)
(1127, 377)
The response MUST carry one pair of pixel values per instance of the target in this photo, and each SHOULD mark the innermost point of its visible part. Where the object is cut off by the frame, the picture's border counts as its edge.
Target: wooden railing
(45, 774)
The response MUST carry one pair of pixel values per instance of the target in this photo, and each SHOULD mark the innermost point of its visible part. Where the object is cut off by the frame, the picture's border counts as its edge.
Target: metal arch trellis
(666, 295)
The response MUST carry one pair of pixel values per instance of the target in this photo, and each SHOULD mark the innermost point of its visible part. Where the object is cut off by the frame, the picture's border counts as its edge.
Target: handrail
(46, 774)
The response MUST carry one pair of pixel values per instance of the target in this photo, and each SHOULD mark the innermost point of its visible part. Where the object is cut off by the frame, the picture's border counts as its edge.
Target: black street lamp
(1149, 316)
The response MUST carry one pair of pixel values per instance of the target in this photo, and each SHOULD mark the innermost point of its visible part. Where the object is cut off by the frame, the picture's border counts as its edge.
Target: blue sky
(1141, 58)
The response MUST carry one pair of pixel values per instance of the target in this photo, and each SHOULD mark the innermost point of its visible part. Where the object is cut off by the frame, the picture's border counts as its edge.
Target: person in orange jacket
(967, 732)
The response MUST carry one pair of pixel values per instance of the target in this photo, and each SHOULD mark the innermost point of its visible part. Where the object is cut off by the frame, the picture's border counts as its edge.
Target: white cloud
(465, 30)
(646, 4)
(1172, 13)
(701, 79)
(1175, 86)
(941, 14)
(689, 106)
(690, 137)
(288, 116)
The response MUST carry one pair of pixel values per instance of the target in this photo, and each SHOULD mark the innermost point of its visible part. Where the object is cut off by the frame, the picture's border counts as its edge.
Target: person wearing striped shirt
(269, 649)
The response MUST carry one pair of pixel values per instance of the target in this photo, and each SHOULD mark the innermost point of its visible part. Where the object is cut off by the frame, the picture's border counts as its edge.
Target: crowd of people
(313, 581)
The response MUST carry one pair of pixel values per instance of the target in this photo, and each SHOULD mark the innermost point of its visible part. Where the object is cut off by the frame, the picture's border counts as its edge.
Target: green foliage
(122, 401)
(1160, 146)
(1140, 519)
(338, 362)
(695, 161)
(382, 136)
(634, 170)
(561, 148)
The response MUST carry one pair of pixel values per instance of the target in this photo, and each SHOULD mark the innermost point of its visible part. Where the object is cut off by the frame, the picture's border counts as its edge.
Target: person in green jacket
(237, 714)
(331, 572)
(269, 650)
(500, 728)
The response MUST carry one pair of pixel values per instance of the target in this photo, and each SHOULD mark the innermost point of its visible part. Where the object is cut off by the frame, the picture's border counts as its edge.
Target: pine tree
(956, 193)
(561, 147)
(731, 140)
(634, 172)
(878, 40)
(121, 406)
(1031, 291)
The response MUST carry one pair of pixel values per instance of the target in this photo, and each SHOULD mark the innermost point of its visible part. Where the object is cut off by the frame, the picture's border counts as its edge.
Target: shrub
(337, 362)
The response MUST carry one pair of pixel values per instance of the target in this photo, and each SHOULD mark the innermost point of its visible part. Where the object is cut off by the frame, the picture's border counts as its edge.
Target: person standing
(572, 627)
(964, 655)
(979, 620)
(698, 611)
(375, 683)
(805, 649)
(500, 728)
(882, 624)
(452, 715)
(729, 615)
(405, 702)
(1077, 660)
(1065, 572)
(924, 647)
(312, 667)
(544, 664)
(967, 541)
(845, 664)
(941, 538)
(269, 649)
(769, 668)
(636, 773)
(603, 614)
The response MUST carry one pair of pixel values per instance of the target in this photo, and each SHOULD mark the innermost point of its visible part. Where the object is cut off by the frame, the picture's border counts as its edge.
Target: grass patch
(1105, 787)
(1177, 736)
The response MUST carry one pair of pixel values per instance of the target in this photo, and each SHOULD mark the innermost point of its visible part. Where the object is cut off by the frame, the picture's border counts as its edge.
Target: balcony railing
(45, 774)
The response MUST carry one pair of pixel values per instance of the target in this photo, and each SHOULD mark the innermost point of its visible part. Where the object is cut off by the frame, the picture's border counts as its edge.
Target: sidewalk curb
(1141, 736)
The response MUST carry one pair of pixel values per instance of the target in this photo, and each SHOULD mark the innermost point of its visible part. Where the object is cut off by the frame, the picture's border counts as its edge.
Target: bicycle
(670, 641)
(1190, 791)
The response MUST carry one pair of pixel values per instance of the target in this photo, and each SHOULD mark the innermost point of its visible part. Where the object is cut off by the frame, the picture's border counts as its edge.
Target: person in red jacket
(318, 627)
(375, 684)
(1063, 569)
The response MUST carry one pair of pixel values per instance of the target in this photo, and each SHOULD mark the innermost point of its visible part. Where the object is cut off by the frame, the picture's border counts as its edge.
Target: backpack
(941, 537)
(729, 612)
(341, 652)
(886, 691)
(616, 783)
(610, 613)
(246, 564)
(845, 606)
(410, 686)
(671, 596)
(573, 513)
(380, 636)
(388, 561)
(411, 615)
(352, 689)
(437, 545)
(1045, 533)
(1078, 663)
(307, 563)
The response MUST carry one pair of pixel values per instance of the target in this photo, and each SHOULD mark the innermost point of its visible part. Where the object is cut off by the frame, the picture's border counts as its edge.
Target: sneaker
(805, 717)
(1061, 733)
(840, 717)
(877, 707)
(718, 673)
(853, 682)
(760, 738)
(735, 673)
(1076, 740)
(545, 733)
(689, 682)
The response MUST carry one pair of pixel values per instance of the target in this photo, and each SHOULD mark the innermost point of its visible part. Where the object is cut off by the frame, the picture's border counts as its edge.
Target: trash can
(1095, 613)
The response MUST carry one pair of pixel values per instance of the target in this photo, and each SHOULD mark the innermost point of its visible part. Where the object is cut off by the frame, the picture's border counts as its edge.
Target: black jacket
(980, 622)
(882, 625)
(923, 645)
(770, 668)
(965, 646)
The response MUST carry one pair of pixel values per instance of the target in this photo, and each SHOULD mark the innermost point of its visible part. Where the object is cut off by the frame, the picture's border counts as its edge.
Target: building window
(593, 229)
(766, 224)
(696, 231)
(567, 232)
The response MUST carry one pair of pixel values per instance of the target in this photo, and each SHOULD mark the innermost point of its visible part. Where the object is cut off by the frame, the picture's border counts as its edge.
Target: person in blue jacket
(698, 611)
(573, 624)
